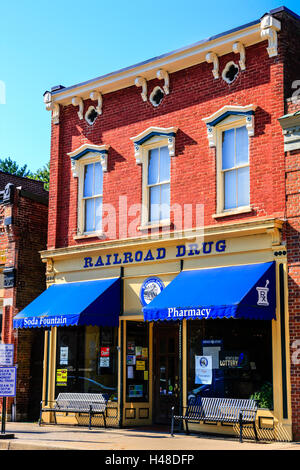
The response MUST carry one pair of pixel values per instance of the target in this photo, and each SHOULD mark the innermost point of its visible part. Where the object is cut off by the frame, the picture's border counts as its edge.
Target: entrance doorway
(166, 372)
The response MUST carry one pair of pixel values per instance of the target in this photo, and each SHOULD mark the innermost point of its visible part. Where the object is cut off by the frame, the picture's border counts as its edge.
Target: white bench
(90, 403)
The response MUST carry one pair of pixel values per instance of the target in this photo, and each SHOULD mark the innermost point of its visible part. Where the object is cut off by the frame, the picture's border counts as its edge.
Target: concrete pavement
(31, 436)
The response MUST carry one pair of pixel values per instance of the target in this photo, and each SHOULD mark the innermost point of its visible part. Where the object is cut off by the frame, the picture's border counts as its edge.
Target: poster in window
(130, 360)
(203, 370)
(61, 377)
(131, 347)
(104, 352)
(64, 355)
(104, 361)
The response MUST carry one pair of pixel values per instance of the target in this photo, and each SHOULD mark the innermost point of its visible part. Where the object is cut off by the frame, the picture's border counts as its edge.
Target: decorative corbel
(138, 153)
(250, 125)
(77, 101)
(163, 75)
(96, 96)
(74, 168)
(52, 106)
(142, 82)
(103, 160)
(269, 27)
(238, 48)
(171, 146)
(211, 57)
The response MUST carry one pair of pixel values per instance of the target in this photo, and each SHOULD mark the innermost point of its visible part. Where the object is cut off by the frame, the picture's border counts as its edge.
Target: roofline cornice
(172, 62)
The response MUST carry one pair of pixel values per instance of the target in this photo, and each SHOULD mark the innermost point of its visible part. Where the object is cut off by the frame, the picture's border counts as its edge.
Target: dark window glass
(137, 362)
(240, 354)
(87, 360)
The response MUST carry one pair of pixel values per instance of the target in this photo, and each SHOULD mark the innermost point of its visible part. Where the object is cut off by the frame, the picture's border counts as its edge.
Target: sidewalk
(31, 436)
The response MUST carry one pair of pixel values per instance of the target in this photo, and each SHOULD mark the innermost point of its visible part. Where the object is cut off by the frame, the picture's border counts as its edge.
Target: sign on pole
(8, 376)
(6, 355)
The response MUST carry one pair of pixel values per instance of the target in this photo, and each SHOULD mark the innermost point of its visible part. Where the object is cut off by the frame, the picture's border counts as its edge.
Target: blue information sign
(8, 379)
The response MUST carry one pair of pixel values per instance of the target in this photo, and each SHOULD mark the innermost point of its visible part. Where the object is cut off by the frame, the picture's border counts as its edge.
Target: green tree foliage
(42, 174)
(10, 166)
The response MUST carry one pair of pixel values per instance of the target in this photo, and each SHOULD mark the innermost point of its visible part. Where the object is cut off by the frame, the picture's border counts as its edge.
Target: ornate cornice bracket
(142, 82)
(77, 101)
(269, 27)
(211, 57)
(52, 106)
(163, 75)
(238, 48)
(96, 96)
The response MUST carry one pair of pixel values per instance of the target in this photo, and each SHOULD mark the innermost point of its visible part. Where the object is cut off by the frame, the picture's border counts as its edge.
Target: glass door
(166, 372)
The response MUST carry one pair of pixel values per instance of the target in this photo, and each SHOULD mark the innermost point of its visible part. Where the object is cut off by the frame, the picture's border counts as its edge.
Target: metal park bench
(223, 410)
(90, 403)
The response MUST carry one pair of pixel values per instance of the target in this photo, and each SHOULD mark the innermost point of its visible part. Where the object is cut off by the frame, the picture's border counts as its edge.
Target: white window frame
(229, 123)
(90, 154)
(83, 199)
(225, 118)
(158, 137)
(153, 143)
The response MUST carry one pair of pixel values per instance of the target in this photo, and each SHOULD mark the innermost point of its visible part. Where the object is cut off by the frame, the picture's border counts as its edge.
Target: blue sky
(46, 43)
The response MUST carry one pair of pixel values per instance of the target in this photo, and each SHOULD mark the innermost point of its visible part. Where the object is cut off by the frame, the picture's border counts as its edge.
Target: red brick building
(24, 217)
(171, 168)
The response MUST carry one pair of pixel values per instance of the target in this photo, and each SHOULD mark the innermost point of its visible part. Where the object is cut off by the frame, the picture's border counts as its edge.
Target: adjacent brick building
(23, 232)
(189, 146)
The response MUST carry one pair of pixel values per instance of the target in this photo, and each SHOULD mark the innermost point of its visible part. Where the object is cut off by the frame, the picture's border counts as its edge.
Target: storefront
(169, 318)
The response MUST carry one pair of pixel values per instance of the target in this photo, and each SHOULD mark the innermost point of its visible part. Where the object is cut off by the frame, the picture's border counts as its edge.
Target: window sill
(240, 210)
(84, 236)
(162, 224)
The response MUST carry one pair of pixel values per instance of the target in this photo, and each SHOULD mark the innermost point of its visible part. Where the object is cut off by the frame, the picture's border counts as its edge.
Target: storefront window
(87, 360)
(137, 362)
(230, 358)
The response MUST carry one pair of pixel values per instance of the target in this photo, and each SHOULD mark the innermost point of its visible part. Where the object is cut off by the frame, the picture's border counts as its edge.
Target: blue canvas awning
(74, 303)
(247, 291)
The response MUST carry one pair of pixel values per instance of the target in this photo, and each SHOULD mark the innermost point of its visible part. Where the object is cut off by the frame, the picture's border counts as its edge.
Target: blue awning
(74, 303)
(247, 291)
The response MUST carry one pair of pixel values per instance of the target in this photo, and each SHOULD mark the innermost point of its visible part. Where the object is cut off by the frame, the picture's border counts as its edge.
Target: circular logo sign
(151, 287)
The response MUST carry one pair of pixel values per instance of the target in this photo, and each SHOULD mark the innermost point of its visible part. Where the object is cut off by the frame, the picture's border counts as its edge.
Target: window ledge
(83, 236)
(164, 223)
(240, 210)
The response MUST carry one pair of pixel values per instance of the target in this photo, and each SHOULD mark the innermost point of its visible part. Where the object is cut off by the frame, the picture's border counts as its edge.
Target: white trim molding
(163, 75)
(83, 152)
(153, 133)
(269, 28)
(238, 48)
(211, 57)
(233, 112)
(52, 106)
(77, 101)
(96, 96)
(142, 82)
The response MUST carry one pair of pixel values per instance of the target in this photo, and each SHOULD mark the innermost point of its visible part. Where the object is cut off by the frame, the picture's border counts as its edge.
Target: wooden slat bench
(90, 403)
(223, 410)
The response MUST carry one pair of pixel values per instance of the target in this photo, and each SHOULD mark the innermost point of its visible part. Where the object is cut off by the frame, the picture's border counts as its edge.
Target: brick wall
(292, 161)
(289, 45)
(194, 94)
(21, 242)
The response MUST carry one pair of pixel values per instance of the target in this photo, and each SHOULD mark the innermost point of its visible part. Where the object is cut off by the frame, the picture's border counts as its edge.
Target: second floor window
(92, 197)
(159, 184)
(235, 168)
